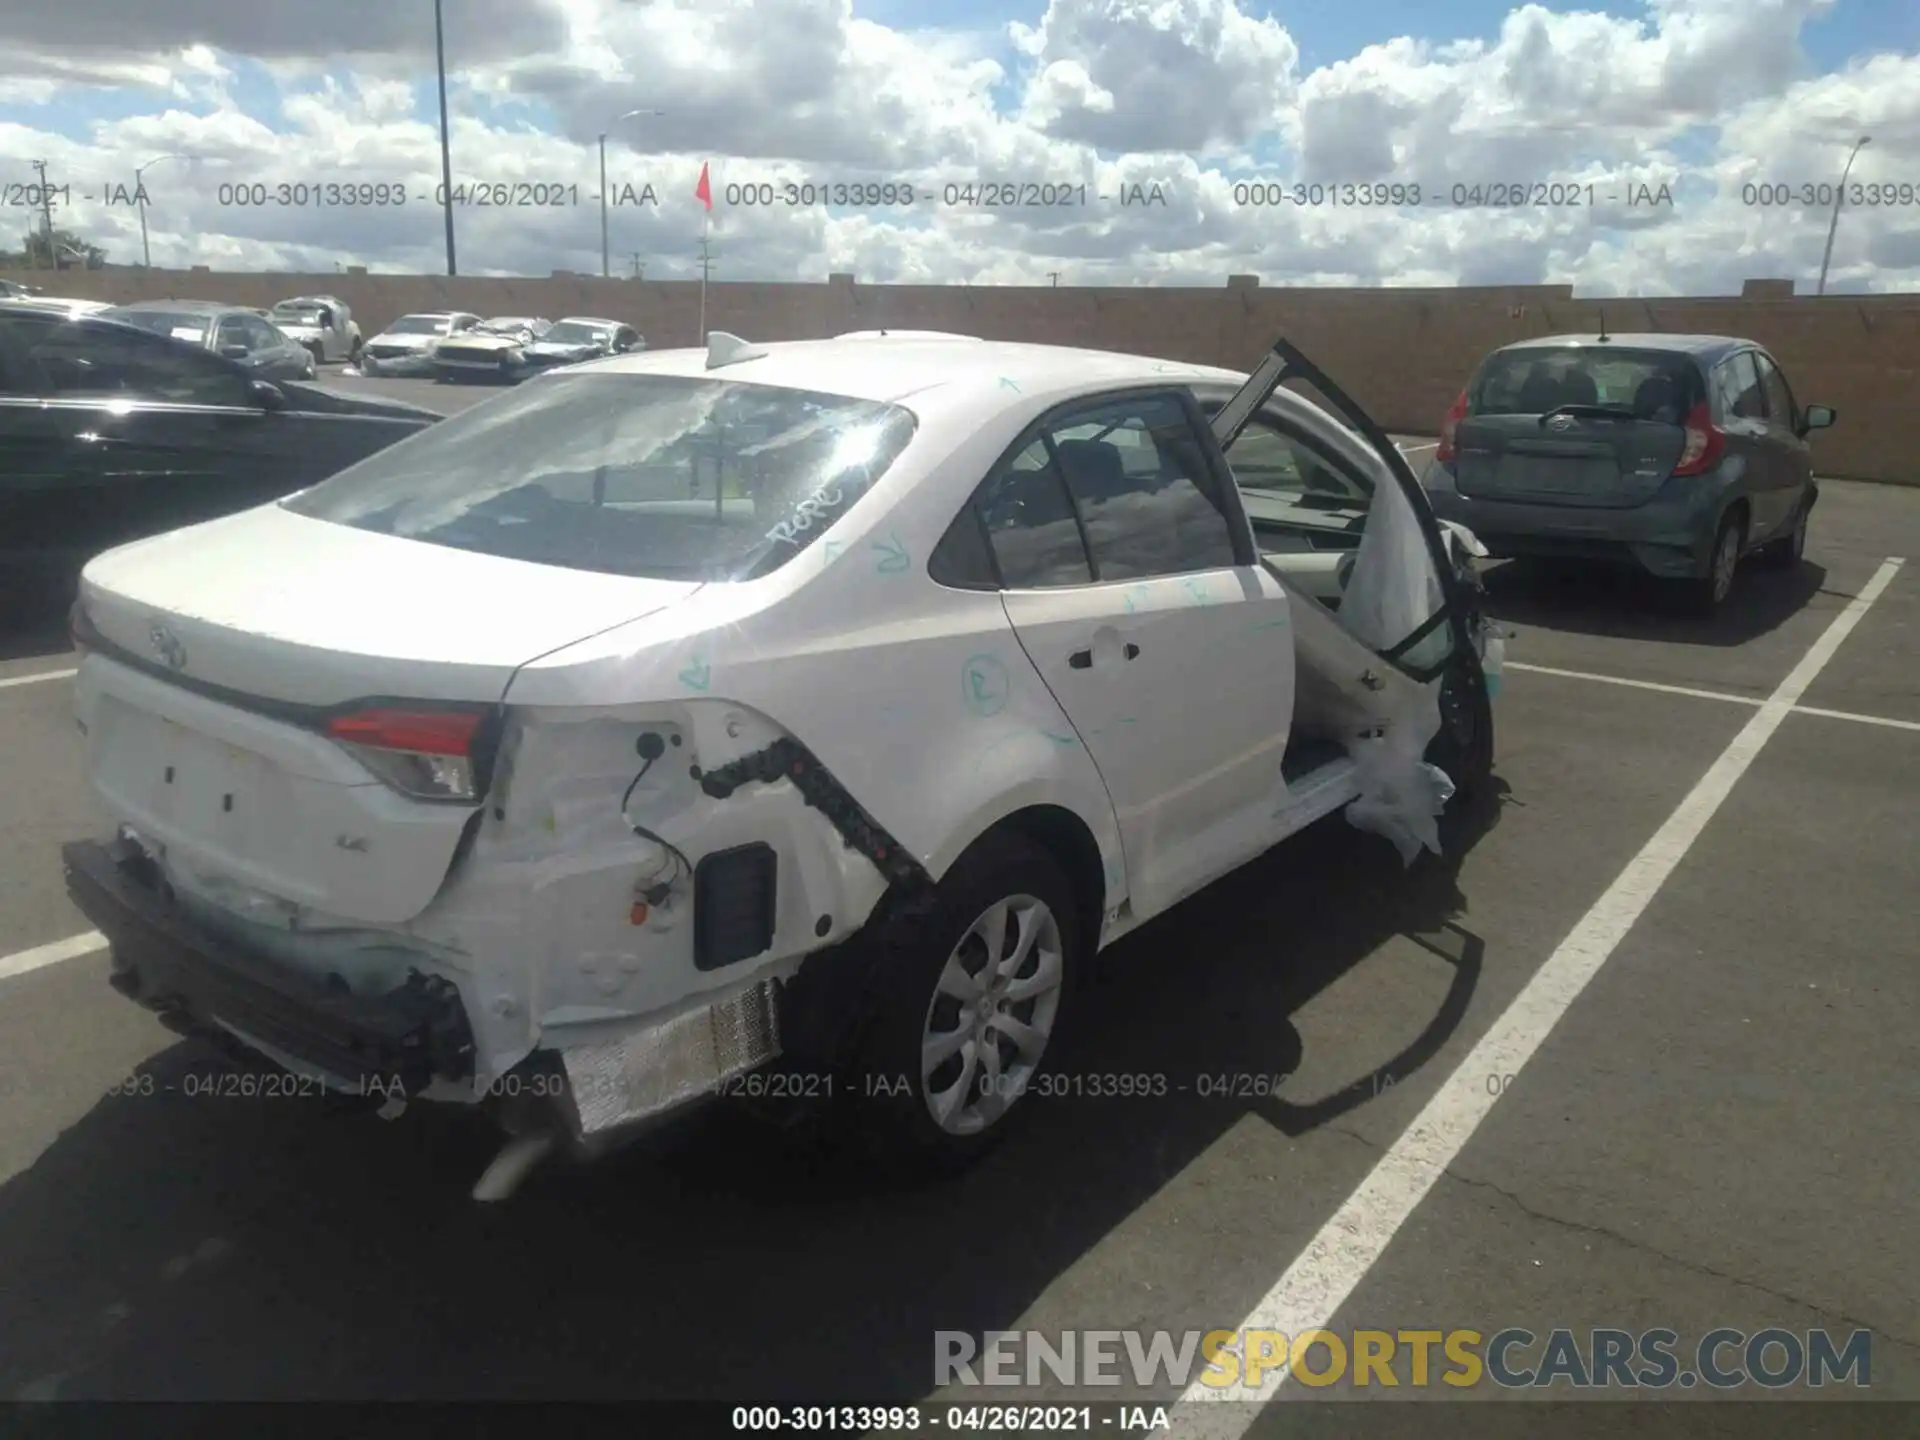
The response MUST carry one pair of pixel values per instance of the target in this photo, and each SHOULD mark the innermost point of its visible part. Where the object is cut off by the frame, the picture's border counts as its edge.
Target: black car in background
(1679, 454)
(582, 337)
(233, 332)
(110, 432)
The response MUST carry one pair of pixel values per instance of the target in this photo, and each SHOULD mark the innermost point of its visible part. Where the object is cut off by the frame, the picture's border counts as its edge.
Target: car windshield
(180, 324)
(571, 332)
(659, 476)
(297, 310)
(503, 324)
(419, 325)
(1534, 379)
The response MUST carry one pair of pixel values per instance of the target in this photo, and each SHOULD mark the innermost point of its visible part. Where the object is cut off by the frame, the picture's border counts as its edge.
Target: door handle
(1083, 659)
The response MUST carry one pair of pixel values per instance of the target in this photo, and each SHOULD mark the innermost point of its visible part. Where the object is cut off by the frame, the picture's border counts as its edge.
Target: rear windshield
(180, 324)
(574, 333)
(418, 325)
(665, 477)
(1651, 384)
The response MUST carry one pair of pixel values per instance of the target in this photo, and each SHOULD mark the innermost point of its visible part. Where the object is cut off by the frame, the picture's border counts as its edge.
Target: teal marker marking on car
(984, 685)
(893, 555)
(1060, 739)
(1006, 384)
(832, 548)
(698, 675)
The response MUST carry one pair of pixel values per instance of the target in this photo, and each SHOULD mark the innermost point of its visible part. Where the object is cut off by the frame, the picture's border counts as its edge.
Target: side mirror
(235, 352)
(267, 395)
(1818, 417)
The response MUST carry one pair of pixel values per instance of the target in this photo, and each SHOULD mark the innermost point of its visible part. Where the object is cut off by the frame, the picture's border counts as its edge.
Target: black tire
(888, 1114)
(1787, 552)
(1708, 593)
(1464, 746)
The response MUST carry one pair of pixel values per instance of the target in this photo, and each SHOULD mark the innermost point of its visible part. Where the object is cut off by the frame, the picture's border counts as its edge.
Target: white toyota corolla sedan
(798, 720)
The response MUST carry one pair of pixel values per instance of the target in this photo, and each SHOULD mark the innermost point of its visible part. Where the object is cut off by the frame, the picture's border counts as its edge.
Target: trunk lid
(272, 604)
(1610, 461)
(1586, 424)
(220, 652)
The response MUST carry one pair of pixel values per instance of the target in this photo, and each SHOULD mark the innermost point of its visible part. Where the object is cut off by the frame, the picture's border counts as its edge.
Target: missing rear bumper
(400, 1041)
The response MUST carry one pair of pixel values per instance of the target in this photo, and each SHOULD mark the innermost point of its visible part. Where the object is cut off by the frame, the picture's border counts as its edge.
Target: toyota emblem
(168, 647)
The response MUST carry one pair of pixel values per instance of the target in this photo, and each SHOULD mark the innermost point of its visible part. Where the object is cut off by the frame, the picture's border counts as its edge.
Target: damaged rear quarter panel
(919, 699)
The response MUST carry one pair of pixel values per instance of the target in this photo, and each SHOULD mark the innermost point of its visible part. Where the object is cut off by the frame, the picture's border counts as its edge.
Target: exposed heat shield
(619, 1082)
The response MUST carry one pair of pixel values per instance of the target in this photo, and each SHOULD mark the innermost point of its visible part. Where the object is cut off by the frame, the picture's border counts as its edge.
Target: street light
(140, 199)
(1834, 224)
(606, 262)
(446, 151)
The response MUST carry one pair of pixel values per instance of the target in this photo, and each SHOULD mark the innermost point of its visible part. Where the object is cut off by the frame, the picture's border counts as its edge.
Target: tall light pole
(1834, 224)
(606, 262)
(140, 199)
(446, 152)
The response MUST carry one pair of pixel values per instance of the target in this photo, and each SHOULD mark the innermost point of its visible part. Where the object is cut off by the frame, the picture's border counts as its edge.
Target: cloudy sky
(1670, 147)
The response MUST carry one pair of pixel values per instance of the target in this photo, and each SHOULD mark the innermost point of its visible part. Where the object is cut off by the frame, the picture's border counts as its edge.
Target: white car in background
(818, 709)
(496, 349)
(406, 346)
(324, 324)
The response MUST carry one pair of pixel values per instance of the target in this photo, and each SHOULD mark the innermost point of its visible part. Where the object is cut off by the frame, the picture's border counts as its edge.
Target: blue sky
(1705, 94)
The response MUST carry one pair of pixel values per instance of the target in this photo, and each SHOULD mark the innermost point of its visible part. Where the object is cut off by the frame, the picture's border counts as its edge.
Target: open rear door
(1404, 603)
(1405, 600)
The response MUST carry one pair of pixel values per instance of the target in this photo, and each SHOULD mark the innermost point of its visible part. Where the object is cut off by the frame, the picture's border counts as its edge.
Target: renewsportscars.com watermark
(1724, 1359)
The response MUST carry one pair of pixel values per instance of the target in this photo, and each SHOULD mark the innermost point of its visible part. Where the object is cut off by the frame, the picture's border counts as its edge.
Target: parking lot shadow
(33, 616)
(170, 1246)
(1591, 599)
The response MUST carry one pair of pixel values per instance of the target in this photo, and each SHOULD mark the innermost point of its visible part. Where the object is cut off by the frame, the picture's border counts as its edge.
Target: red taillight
(1450, 429)
(427, 754)
(1705, 441)
(421, 732)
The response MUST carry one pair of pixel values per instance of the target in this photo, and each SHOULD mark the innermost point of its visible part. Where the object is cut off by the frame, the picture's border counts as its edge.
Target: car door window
(1741, 393)
(1030, 524)
(1146, 497)
(259, 335)
(231, 331)
(1779, 397)
(82, 360)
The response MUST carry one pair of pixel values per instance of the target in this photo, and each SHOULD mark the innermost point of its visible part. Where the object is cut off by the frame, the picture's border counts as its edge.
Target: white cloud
(1118, 96)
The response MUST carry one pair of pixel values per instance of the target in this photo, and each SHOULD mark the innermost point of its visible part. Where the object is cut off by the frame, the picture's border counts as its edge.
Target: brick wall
(1402, 353)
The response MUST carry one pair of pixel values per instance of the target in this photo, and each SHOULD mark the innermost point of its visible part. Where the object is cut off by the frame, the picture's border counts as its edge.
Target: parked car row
(458, 346)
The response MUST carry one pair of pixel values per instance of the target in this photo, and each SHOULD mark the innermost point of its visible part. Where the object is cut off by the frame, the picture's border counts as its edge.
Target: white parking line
(1320, 1280)
(1852, 715)
(37, 678)
(1634, 684)
(72, 948)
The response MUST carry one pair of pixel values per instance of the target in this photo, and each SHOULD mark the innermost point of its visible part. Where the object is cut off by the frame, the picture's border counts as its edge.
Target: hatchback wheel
(1788, 551)
(970, 999)
(1711, 590)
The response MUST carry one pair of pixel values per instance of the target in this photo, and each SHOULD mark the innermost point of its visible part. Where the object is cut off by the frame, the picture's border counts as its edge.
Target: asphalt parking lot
(1700, 1113)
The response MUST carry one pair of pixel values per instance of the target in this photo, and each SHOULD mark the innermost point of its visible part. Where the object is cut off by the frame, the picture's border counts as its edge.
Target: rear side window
(1779, 397)
(1145, 494)
(1534, 379)
(1741, 394)
(83, 360)
(660, 476)
(1031, 526)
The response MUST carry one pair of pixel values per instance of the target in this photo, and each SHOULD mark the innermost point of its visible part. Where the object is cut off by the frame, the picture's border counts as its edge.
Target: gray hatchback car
(1681, 454)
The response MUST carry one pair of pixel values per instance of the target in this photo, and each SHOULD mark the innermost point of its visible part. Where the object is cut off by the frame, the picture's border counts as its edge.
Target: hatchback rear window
(666, 477)
(1652, 384)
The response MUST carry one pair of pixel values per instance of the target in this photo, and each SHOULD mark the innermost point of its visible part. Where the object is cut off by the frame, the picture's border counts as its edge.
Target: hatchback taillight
(428, 754)
(1450, 429)
(1704, 442)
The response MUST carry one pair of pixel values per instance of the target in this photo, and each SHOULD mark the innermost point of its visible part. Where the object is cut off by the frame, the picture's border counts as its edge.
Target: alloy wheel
(992, 1014)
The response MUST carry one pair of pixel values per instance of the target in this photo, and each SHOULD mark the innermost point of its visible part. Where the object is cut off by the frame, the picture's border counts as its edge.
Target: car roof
(890, 367)
(1705, 348)
(587, 320)
(187, 307)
